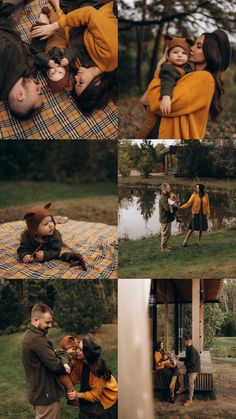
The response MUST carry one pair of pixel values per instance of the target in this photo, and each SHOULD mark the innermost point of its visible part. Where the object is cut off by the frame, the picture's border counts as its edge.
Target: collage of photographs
(118, 211)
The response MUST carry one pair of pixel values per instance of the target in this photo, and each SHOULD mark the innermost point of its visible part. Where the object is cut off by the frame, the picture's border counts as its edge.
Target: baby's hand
(165, 106)
(64, 62)
(67, 368)
(52, 64)
(27, 259)
(39, 255)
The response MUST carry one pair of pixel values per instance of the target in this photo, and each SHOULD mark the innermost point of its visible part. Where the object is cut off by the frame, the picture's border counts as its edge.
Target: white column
(196, 313)
(134, 350)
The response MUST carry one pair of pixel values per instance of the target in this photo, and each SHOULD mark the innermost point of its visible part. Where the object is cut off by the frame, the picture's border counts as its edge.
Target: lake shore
(214, 259)
(157, 180)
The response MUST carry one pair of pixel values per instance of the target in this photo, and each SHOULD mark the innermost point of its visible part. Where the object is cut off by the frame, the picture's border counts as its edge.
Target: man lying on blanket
(17, 86)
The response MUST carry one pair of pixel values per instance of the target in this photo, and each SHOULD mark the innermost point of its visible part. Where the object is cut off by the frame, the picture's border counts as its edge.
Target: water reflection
(139, 210)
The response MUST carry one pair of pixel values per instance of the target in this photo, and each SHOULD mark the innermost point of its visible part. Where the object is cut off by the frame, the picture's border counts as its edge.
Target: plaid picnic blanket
(96, 242)
(59, 119)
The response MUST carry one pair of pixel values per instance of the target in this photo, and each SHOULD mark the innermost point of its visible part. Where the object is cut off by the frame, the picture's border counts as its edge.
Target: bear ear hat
(29, 215)
(47, 205)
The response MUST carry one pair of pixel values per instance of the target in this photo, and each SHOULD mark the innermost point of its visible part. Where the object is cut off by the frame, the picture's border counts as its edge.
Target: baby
(52, 57)
(174, 205)
(176, 66)
(41, 241)
(66, 353)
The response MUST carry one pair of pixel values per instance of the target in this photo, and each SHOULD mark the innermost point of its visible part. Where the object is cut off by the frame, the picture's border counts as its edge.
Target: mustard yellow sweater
(194, 202)
(191, 102)
(106, 392)
(100, 37)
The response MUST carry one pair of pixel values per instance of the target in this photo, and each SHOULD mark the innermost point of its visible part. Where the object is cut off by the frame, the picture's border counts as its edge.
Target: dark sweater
(51, 248)
(15, 60)
(170, 74)
(41, 367)
(165, 215)
(42, 58)
(192, 360)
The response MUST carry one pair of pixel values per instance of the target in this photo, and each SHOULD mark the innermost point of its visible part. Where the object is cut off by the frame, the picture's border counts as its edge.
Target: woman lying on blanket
(93, 33)
(41, 241)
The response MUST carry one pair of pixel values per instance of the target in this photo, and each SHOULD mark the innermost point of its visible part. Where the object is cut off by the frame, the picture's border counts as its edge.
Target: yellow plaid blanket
(95, 241)
(59, 119)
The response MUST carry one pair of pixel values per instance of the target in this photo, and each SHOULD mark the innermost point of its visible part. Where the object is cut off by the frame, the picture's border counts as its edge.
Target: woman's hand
(45, 31)
(72, 395)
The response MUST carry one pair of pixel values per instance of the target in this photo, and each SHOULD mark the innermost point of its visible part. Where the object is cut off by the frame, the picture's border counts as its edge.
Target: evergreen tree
(81, 306)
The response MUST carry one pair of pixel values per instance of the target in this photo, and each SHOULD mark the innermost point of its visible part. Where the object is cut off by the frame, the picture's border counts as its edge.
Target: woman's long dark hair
(212, 52)
(201, 189)
(97, 96)
(96, 364)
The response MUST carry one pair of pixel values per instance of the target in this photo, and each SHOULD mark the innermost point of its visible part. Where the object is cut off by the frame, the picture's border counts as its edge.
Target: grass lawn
(14, 403)
(221, 342)
(224, 184)
(24, 193)
(143, 258)
(83, 202)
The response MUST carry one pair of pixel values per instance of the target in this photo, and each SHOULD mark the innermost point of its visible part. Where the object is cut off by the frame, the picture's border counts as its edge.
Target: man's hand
(52, 64)
(67, 368)
(64, 62)
(72, 395)
(27, 259)
(39, 255)
(165, 106)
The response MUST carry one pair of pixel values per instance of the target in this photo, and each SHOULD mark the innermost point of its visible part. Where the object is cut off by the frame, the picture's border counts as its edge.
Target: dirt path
(224, 407)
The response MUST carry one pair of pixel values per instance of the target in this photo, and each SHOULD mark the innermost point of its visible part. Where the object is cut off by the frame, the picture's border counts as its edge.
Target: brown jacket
(165, 215)
(42, 365)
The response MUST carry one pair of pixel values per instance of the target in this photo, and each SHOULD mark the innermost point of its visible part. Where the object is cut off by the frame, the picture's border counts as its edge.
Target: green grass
(219, 184)
(221, 342)
(24, 193)
(14, 403)
(143, 258)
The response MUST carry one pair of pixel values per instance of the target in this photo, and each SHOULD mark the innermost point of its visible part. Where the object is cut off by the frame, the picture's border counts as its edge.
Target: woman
(166, 369)
(195, 95)
(93, 33)
(199, 202)
(98, 388)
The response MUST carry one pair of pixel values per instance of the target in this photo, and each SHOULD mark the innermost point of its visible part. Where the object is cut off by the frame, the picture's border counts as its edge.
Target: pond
(139, 211)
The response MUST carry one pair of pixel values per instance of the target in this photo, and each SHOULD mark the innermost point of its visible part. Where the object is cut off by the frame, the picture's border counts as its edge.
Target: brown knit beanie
(35, 215)
(60, 86)
(69, 342)
(184, 43)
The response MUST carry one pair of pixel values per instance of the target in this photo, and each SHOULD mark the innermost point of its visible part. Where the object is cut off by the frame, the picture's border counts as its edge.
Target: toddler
(175, 67)
(66, 353)
(52, 57)
(40, 241)
(174, 205)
